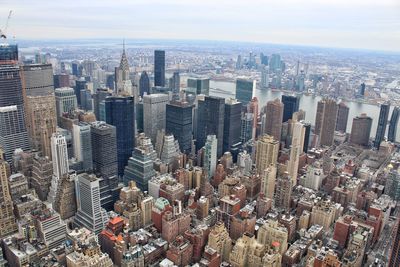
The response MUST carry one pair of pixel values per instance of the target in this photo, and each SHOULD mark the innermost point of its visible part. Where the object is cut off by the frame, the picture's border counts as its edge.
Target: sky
(364, 24)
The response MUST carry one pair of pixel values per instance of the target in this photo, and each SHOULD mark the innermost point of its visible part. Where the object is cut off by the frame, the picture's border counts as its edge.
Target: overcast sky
(370, 24)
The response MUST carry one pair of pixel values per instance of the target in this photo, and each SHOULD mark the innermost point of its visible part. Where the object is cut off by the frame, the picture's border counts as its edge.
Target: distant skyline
(365, 24)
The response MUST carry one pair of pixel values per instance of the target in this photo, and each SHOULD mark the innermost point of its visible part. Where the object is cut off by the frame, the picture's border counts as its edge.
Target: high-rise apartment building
(179, 122)
(382, 122)
(394, 119)
(120, 112)
(90, 214)
(291, 105)
(245, 90)
(232, 116)
(219, 240)
(144, 84)
(154, 114)
(268, 178)
(210, 121)
(267, 149)
(325, 121)
(8, 223)
(273, 119)
(159, 68)
(361, 130)
(342, 117)
(283, 191)
(140, 165)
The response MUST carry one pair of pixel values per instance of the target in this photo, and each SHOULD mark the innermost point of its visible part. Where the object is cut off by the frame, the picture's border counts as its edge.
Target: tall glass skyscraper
(120, 112)
(394, 119)
(144, 84)
(245, 90)
(290, 105)
(159, 68)
(382, 122)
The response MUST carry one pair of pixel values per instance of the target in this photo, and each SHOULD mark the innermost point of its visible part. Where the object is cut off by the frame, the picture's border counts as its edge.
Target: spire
(124, 65)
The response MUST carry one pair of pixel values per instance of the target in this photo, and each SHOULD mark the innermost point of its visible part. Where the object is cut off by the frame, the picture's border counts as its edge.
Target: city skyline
(359, 24)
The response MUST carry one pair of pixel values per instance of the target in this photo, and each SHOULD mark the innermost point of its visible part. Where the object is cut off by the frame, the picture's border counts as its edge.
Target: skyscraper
(361, 130)
(295, 150)
(325, 121)
(154, 110)
(83, 145)
(394, 119)
(105, 161)
(123, 83)
(41, 118)
(342, 117)
(264, 77)
(98, 103)
(273, 119)
(394, 259)
(382, 122)
(210, 155)
(144, 84)
(283, 191)
(198, 86)
(175, 85)
(140, 165)
(159, 68)
(267, 149)
(246, 131)
(232, 116)
(7, 220)
(245, 90)
(120, 112)
(79, 85)
(179, 122)
(66, 101)
(13, 132)
(290, 105)
(210, 120)
(89, 214)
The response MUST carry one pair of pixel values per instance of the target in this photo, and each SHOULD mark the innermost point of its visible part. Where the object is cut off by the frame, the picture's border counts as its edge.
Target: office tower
(65, 200)
(325, 121)
(210, 121)
(79, 85)
(42, 171)
(361, 130)
(144, 84)
(140, 165)
(154, 113)
(246, 131)
(159, 68)
(61, 80)
(7, 220)
(392, 185)
(268, 177)
(123, 84)
(394, 259)
(50, 228)
(382, 122)
(342, 117)
(59, 155)
(295, 150)
(83, 145)
(198, 86)
(120, 112)
(90, 214)
(210, 155)
(239, 62)
(179, 122)
(245, 90)
(394, 119)
(307, 134)
(175, 85)
(252, 107)
(38, 79)
(264, 77)
(98, 102)
(86, 100)
(169, 149)
(273, 232)
(267, 149)
(13, 132)
(232, 117)
(275, 63)
(362, 89)
(291, 105)
(274, 117)
(139, 116)
(66, 101)
(283, 191)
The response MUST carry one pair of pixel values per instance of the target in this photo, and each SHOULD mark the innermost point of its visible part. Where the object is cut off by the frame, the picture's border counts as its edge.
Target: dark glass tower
(307, 133)
(290, 105)
(98, 98)
(13, 132)
(79, 85)
(382, 122)
(232, 120)
(179, 122)
(393, 124)
(144, 84)
(342, 117)
(120, 112)
(244, 91)
(210, 120)
(159, 68)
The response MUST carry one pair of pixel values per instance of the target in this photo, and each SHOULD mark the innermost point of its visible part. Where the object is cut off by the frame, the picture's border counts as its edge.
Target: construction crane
(4, 31)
